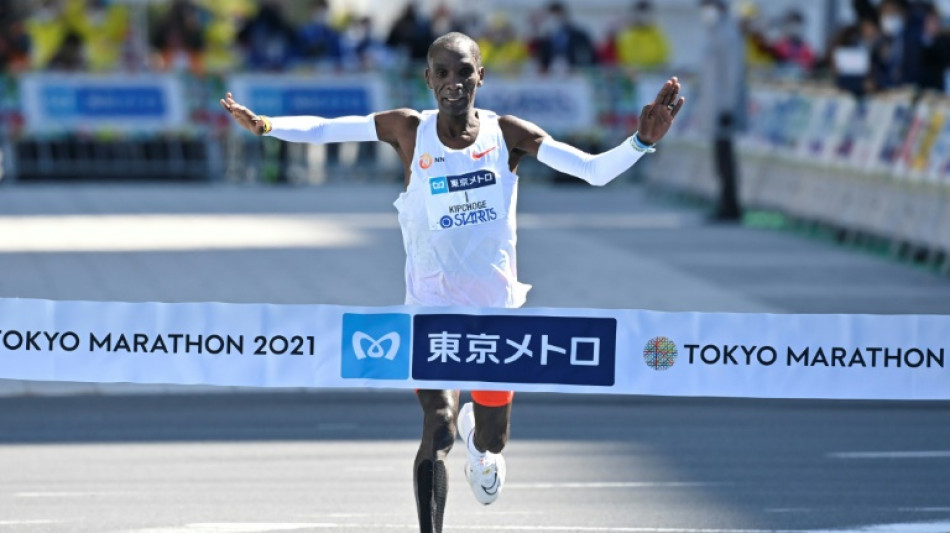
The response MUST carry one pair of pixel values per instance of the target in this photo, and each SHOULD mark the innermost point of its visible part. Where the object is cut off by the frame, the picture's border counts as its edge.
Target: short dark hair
(455, 37)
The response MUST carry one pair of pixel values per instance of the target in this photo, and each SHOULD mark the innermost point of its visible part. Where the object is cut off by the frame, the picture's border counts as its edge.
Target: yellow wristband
(267, 125)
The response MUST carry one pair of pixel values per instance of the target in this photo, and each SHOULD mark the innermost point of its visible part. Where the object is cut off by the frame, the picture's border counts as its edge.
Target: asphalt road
(342, 462)
(89, 459)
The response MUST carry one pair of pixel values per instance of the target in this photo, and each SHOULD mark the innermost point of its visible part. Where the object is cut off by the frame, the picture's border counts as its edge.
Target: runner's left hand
(657, 117)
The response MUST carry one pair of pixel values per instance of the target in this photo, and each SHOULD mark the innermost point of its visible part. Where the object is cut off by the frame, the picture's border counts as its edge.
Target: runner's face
(453, 76)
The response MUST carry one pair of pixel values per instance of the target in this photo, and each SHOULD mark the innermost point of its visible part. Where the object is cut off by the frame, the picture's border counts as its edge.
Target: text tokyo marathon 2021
(168, 343)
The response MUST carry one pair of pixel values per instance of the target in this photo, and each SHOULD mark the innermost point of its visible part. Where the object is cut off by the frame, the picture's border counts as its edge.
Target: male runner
(460, 159)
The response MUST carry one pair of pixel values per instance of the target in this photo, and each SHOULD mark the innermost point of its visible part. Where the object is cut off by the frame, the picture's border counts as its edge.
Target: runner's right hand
(248, 119)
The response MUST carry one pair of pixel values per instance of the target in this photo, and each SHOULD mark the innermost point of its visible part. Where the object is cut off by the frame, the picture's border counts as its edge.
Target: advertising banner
(70, 102)
(552, 350)
(296, 95)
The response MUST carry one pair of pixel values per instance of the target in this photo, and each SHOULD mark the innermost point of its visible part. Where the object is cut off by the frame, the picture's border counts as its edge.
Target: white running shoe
(485, 472)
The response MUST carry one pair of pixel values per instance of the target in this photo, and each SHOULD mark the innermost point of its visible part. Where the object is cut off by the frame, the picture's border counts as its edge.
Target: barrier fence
(170, 126)
(878, 167)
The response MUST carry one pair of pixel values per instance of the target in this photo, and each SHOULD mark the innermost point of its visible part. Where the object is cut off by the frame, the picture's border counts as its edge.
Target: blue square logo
(376, 346)
(439, 185)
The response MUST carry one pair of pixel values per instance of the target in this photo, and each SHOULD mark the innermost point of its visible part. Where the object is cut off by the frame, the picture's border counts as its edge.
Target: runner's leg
(492, 419)
(440, 410)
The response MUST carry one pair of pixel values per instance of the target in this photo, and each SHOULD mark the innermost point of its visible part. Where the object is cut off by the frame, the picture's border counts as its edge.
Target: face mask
(892, 25)
(710, 15)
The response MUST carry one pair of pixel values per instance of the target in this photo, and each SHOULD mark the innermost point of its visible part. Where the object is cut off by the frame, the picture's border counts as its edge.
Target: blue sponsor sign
(376, 346)
(319, 101)
(54, 102)
(104, 102)
(515, 349)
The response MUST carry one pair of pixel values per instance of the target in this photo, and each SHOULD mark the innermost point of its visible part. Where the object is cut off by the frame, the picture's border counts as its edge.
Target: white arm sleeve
(594, 169)
(319, 130)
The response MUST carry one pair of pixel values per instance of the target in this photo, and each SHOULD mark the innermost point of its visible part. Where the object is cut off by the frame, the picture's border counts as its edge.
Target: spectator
(936, 52)
(411, 34)
(791, 49)
(362, 51)
(14, 41)
(642, 44)
(723, 96)
(442, 21)
(317, 40)
(47, 28)
(850, 56)
(268, 40)
(759, 51)
(71, 55)
(563, 44)
(179, 39)
(502, 50)
(896, 58)
(105, 27)
(607, 49)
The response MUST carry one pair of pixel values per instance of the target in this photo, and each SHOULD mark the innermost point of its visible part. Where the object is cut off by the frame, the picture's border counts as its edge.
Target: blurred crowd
(893, 42)
(215, 36)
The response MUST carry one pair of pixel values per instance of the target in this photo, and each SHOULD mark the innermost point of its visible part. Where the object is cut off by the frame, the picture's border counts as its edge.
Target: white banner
(66, 102)
(554, 350)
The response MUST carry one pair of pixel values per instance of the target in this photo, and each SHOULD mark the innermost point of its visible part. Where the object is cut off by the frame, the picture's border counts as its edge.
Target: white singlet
(458, 220)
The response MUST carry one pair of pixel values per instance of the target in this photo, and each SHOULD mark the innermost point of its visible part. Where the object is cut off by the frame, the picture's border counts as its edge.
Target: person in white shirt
(458, 222)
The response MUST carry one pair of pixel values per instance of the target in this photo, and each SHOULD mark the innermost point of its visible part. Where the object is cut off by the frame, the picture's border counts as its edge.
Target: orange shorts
(492, 398)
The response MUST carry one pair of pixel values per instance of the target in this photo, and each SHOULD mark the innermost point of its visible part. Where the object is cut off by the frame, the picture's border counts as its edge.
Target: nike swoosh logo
(492, 489)
(479, 155)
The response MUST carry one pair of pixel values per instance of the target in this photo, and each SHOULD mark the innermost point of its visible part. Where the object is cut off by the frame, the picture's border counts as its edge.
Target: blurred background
(815, 136)
(836, 114)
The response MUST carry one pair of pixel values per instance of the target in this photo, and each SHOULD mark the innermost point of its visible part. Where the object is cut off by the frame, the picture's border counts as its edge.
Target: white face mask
(892, 25)
(710, 15)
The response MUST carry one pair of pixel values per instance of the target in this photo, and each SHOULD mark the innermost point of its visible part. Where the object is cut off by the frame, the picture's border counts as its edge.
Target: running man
(459, 155)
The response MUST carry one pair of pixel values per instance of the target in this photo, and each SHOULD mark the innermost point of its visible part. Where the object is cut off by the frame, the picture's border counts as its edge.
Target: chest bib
(457, 217)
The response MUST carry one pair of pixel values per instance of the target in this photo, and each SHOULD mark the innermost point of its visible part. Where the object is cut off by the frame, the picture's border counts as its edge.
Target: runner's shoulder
(516, 130)
(398, 121)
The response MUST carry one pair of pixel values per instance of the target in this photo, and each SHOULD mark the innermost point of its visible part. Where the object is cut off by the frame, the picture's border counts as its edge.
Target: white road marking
(64, 494)
(931, 527)
(4, 523)
(614, 221)
(927, 527)
(130, 233)
(932, 454)
(610, 485)
(266, 528)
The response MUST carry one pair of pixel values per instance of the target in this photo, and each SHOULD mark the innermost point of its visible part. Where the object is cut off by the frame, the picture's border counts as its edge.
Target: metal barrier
(61, 126)
(879, 167)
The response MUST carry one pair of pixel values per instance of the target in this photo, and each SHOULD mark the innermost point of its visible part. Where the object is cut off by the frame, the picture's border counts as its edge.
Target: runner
(457, 215)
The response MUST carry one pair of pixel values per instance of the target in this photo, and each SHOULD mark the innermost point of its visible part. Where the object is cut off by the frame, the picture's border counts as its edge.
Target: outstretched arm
(308, 129)
(656, 118)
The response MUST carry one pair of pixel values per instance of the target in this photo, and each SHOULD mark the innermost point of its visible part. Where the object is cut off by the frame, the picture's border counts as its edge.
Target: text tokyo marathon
(167, 343)
(836, 356)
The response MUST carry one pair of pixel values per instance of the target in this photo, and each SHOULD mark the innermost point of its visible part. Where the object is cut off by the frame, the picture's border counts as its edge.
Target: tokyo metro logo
(660, 353)
(375, 346)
